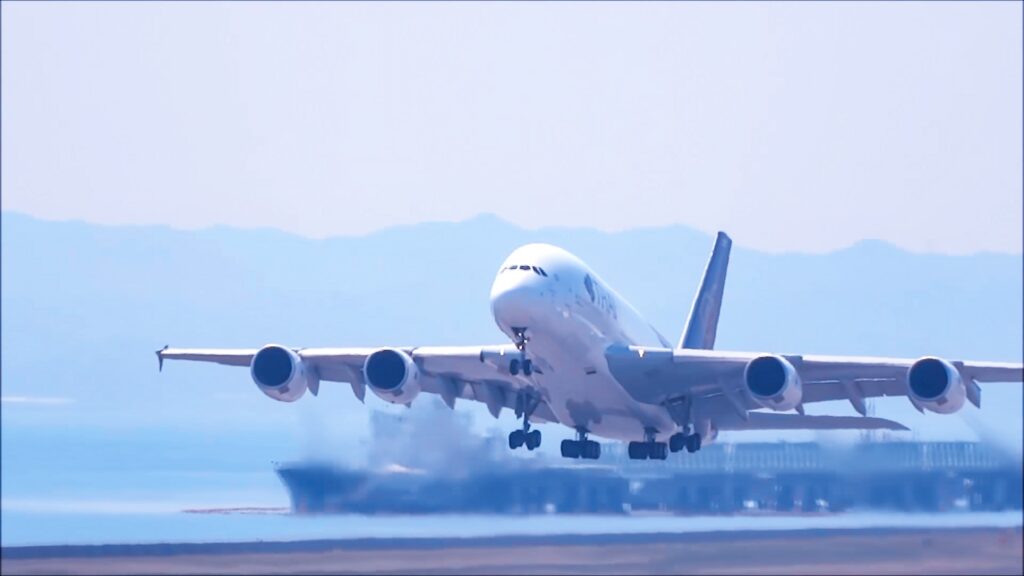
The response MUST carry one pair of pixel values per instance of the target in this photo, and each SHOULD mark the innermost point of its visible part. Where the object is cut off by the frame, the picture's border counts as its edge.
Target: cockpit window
(536, 269)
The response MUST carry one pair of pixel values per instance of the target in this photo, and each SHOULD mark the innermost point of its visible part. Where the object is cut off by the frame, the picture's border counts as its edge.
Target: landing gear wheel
(532, 439)
(591, 450)
(516, 438)
(693, 443)
(637, 450)
(657, 450)
(570, 449)
(527, 367)
(513, 366)
(677, 442)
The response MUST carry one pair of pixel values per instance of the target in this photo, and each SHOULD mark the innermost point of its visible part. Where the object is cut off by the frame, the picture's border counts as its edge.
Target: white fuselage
(571, 317)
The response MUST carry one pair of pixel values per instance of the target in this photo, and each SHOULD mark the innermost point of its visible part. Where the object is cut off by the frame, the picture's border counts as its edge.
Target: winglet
(702, 324)
(160, 357)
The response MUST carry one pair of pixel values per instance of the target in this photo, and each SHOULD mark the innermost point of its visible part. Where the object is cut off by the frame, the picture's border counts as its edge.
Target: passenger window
(589, 285)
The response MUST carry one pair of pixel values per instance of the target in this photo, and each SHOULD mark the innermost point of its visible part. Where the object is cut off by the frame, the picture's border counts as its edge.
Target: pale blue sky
(794, 126)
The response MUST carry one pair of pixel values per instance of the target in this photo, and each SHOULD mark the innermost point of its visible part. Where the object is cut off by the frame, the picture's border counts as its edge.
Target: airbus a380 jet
(581, 356)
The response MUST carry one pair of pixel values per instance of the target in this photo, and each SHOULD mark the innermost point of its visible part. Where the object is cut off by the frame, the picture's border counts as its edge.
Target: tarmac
(833, 551)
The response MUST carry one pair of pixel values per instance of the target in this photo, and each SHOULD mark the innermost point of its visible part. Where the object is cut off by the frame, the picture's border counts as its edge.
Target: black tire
(513, 366)
(677, 442)
(658, 451)
(516, 438)
(527, 367)
(637, 451)
(532, 439)
(570, 449)
(591, 450)
(693, 443)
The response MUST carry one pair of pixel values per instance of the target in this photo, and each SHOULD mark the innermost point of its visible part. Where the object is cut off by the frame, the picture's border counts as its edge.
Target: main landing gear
(525, 405)
(581, 447)
(648, 449)
(528, 438)
(682, 440)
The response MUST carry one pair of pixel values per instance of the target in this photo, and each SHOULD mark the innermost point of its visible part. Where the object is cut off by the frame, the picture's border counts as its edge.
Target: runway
(837, 551)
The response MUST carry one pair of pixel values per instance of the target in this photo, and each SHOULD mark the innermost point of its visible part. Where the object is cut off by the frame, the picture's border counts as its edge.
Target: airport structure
(722, 479)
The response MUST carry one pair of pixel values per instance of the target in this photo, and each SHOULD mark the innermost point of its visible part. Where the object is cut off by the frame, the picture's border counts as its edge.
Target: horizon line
(496, 217)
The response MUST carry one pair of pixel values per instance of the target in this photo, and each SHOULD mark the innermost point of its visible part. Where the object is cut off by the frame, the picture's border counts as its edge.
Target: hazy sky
(793, 126)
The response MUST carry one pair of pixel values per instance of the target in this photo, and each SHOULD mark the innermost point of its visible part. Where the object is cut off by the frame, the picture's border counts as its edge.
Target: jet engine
(935, 384)
(279, 373)
(392, 375)
(773, 382)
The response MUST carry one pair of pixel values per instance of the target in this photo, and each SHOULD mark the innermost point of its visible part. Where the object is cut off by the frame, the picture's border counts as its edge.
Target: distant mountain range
(85, 306)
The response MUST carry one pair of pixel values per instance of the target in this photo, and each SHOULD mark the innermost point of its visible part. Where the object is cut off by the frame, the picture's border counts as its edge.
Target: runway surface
(837, 551)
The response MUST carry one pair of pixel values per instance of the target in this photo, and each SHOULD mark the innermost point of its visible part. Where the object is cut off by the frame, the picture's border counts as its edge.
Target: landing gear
(520, 338)
(681, 410)
(691, 442)
(581, 447)
(518, 438)
(516, 365)
(521, 364)
(526, 403)
(677, 442)
(648, 449)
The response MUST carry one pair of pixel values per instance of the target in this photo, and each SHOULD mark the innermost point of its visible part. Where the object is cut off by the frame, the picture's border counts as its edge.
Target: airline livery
(581, 356)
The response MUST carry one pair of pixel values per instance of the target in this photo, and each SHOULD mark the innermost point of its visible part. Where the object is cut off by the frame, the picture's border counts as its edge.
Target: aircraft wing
(781, 421)
(659, 375)
(478, 373)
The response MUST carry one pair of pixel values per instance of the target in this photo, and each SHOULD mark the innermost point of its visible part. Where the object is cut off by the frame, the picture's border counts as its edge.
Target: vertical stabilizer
(702, 324)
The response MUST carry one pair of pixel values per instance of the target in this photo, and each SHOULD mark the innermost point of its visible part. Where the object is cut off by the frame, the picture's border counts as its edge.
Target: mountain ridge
(489, 219)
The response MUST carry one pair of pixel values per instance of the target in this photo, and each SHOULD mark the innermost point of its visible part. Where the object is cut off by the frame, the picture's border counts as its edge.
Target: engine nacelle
(773, 382)
(392, 375)
(936, 386)
(279, 373)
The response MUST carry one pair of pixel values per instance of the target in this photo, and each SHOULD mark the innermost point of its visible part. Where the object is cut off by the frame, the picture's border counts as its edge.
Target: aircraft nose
(514, 304)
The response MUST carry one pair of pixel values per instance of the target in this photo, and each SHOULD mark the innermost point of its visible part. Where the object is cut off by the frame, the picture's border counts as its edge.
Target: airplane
(581, 356)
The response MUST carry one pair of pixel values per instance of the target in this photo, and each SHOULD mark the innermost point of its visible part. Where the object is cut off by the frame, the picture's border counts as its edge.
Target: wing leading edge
(451, 372)
(715, 379)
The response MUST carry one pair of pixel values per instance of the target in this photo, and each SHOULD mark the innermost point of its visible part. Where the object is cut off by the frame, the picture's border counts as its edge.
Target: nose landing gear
(521, 364)
(516, 364)
(520, 338)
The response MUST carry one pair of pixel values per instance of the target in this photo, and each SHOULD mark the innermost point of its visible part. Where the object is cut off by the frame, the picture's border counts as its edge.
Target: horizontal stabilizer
(780, 421)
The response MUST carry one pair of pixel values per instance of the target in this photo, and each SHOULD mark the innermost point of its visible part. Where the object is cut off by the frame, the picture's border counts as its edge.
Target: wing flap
(226, 356)
(786, 421)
